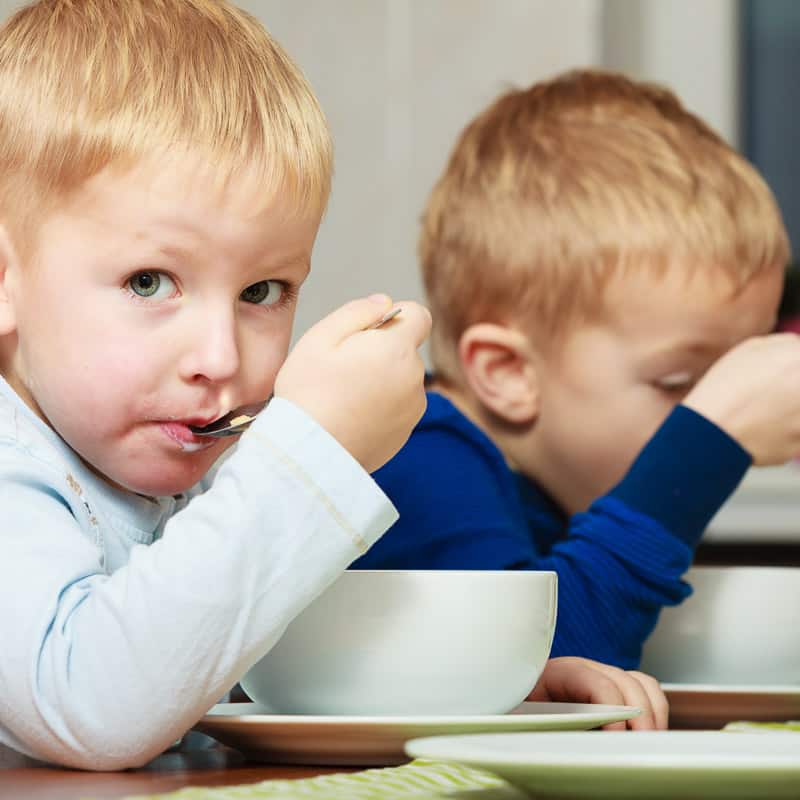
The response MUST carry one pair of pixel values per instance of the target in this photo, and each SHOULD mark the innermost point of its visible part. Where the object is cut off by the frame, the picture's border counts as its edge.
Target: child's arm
(580, 680)
(634, 544)
(619, 563)
(103, 671)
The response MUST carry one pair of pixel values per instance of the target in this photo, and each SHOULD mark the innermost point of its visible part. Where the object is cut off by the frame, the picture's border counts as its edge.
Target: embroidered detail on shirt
(76, 487)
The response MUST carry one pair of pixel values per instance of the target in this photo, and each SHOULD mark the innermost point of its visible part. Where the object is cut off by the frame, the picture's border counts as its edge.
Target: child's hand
(753, 394)
(366, 387)
(579, 680)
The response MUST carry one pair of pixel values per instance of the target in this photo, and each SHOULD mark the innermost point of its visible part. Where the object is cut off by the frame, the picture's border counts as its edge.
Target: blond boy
(589, 253)
(163, 170)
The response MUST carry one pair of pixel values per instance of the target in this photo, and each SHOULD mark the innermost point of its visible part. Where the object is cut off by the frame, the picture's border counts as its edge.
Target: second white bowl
(741, 625)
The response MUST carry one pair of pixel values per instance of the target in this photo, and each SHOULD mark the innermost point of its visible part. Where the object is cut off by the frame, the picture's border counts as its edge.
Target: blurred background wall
(398, 80)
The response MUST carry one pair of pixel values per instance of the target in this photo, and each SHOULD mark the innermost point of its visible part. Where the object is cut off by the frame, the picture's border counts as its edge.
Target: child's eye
(264, 293)
(155, 285)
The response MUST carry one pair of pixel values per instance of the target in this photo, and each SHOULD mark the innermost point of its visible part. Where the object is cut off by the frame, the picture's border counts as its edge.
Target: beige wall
(692, 45)
(399, 78)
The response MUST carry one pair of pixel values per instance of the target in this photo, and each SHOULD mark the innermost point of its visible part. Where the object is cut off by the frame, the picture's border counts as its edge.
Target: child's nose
(213, 351)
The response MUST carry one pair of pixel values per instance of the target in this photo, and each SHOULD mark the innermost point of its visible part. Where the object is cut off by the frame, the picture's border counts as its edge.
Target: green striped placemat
(763, 727)
(419, 780)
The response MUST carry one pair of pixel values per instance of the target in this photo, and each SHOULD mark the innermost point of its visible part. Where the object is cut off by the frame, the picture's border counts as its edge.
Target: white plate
(653, 764)
(695, 705)
(367, 741)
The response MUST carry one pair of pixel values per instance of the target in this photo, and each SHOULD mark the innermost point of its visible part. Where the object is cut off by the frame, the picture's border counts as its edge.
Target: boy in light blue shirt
(164, 171)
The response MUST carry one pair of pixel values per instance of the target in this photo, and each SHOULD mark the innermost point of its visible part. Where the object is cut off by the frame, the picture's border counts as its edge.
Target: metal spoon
(232, 423)
(237, 421)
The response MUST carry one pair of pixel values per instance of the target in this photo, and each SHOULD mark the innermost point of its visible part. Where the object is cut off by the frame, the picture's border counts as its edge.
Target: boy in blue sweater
(591, 250)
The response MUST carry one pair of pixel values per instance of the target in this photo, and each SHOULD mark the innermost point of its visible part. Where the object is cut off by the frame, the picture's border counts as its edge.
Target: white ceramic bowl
(740, 626)
(380, 643)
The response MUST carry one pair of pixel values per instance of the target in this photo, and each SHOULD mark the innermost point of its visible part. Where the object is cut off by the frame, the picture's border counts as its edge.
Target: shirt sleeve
(618, 563)
(105, 671)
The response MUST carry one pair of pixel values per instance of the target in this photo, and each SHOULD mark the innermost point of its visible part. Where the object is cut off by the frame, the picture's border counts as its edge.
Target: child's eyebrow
(709, 347)
(291, 263)
(280, 265)
(693, 348)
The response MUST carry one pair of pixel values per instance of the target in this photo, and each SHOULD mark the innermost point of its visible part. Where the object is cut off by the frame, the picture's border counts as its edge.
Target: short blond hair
(553, 189)
(89, 83)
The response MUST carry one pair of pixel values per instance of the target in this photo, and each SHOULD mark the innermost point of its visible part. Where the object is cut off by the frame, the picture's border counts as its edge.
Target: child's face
(156, 300)
(614, 382)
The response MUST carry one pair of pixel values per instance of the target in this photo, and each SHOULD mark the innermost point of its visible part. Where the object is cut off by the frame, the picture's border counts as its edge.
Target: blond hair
(89, 83)
(553, 189)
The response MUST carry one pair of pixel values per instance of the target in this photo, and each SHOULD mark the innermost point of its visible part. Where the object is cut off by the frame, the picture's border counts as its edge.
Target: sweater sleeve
(624, 558)
(619, 563)
(456, 511)
(104, 671)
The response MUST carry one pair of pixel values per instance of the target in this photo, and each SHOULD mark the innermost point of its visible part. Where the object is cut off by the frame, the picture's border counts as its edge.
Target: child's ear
(9, 269)
(500, 370)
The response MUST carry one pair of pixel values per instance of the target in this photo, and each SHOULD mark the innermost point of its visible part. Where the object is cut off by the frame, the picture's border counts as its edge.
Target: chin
(161, 488)
(161, 481)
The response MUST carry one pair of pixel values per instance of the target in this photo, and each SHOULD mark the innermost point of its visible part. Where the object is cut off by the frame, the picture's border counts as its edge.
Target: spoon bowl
(232, 423)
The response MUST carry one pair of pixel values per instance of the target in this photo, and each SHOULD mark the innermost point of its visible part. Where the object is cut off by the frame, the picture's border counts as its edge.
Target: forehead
(184, 182)
(185, 200)
(690, 308)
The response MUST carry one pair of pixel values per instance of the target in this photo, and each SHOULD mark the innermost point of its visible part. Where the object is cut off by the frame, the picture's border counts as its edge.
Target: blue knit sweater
(618, 563)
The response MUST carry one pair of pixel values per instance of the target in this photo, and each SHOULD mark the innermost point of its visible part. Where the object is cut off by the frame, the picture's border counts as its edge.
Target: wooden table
(28, 780)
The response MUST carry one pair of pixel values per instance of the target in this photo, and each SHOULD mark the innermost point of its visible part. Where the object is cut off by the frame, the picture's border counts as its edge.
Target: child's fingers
(576, 680)
(413, 320)
(636, 691)
(352, 317)
(584, 681)
(658, 700)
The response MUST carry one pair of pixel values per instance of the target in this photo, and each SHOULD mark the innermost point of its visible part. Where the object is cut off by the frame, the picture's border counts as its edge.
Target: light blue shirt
(125, 618)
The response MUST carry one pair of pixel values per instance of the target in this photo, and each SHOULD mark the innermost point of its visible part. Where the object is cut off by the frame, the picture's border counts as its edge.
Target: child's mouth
(181, 433)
